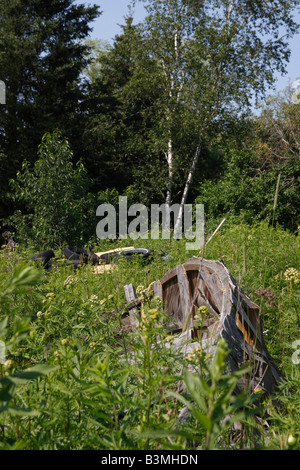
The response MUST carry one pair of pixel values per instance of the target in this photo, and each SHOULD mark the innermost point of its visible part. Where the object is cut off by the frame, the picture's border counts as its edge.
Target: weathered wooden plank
(130, 295)
(184, 291)
(168, 276)
(231, 315)
(157, 287)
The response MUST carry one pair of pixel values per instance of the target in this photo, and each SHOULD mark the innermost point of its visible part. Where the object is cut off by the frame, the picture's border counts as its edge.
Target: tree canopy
(159, 114)
(42, 57)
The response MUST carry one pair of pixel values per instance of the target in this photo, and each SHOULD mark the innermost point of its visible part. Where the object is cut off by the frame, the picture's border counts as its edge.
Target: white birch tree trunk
(170, 171)
(174, 92)
(178, 224)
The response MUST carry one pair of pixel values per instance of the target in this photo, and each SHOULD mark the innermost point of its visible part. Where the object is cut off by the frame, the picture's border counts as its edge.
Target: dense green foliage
(42, 57)
(108, 388)
(163, 114)
(55, 195)
(258, 155)
(160, 115)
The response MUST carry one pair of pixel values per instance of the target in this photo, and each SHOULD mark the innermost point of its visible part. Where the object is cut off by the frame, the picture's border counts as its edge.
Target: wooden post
(184, 290)
(157, 288)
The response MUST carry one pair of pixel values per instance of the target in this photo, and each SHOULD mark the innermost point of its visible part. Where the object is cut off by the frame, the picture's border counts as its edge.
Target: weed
(75, 376)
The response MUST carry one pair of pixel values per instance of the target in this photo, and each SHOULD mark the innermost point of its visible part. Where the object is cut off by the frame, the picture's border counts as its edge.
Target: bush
(251, 198)
(55, 196)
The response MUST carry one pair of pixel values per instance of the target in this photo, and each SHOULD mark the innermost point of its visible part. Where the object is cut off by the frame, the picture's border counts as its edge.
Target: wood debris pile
(231, 315)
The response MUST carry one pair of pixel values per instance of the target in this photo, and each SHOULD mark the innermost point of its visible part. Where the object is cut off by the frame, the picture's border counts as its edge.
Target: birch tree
(215, 57)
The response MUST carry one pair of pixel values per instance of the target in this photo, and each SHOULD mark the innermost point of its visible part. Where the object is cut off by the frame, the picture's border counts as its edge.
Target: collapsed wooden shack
(231, 315)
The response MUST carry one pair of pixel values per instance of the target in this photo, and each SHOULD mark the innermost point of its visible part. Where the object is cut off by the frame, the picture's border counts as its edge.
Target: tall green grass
(100, 386)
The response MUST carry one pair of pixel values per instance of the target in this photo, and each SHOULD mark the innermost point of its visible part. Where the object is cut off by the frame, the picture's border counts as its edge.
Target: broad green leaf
(27, 375)
(17, 411)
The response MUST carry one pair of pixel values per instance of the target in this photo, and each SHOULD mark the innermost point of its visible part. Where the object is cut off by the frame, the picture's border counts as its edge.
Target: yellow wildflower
(169, 339)
(196, 352)
(8, 364)
(140, 290)
(153, 313)
(50, 296)
(203, 310)
(93, 299)
(292, 274)
(69, 281)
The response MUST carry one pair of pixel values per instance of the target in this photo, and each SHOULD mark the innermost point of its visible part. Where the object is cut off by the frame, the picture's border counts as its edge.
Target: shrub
(54, 194)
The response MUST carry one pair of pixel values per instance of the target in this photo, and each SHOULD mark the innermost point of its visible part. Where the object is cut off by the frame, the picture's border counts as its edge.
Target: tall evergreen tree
(120, 133)
(42, 56)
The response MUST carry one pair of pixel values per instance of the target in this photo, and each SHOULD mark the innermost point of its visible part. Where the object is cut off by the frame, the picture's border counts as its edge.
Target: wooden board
(231, 315)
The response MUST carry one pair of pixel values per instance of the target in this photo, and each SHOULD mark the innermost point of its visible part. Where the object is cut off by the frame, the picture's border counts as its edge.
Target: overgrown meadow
(76, 377)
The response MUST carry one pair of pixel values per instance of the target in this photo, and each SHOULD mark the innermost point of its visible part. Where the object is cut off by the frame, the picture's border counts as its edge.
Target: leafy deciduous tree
(214, 56)
(55, 196)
